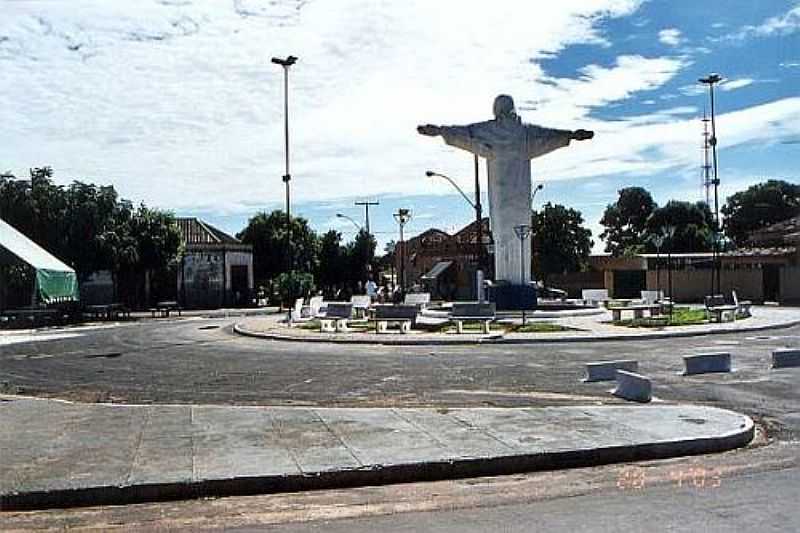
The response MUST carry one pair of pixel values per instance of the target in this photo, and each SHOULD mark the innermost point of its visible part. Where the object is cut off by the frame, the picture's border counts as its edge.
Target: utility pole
(711, 80)
(366, 212)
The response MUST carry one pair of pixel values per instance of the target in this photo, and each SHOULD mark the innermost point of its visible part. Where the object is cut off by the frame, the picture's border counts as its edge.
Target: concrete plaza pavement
(58, 453)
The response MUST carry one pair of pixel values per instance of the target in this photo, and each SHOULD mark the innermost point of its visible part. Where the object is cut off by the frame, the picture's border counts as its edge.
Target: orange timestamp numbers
(697, 477)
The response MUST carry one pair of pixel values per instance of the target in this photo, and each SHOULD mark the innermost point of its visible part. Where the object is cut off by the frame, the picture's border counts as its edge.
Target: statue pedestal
(508, 297)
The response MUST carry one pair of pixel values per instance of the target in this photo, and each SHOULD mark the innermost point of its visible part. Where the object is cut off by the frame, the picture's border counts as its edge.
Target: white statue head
(504, 107)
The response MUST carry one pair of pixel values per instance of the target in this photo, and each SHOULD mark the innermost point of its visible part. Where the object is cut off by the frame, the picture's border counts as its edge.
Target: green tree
(331, 270)
(759, 206)
(693, 224)
(361, 257)
(267, 233)
(90, 214)
(561, 243)
(625, 221)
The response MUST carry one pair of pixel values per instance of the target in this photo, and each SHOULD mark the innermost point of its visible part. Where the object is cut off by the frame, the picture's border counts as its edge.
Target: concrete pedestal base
(509, 297)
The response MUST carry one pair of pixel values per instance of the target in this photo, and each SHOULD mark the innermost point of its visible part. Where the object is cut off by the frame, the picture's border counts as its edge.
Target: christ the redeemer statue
(508, 145)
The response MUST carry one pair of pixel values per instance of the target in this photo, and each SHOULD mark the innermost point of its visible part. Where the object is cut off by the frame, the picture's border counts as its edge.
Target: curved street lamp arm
(430, 174)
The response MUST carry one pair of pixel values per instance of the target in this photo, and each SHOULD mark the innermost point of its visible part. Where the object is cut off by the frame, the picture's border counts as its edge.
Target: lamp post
(476, 205)
(403, 216)
(711, 80)
(658, 242)
(533, 197)
(353, 222)
(285, 64)
(522, 231)
(667, 233)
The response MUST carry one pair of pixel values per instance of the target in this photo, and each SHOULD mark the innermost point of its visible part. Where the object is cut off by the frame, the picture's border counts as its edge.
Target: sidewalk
(57, 453)
(597, 327)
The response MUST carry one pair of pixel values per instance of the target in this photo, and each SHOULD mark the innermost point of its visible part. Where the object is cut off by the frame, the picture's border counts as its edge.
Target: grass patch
(681, 316)
(540, 327)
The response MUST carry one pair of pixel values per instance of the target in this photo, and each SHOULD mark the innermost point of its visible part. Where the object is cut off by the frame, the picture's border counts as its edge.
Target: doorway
(772, 282)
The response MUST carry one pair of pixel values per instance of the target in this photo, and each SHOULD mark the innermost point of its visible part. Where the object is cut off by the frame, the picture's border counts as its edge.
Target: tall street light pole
(403, 216)
(287, 177)
(366, 212)
(476, 205)
(711, 80)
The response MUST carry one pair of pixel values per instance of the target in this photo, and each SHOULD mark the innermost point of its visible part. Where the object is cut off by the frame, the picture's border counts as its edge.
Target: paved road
(758, 502)
(202, 361)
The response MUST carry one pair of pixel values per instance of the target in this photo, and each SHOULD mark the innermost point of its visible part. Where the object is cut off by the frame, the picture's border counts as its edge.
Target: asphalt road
(761, 502)
(202, 361)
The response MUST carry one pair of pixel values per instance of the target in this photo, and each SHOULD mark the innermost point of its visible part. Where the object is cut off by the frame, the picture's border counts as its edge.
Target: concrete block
(705, 363)
(607, 370)
(786, 358)
(633, 387)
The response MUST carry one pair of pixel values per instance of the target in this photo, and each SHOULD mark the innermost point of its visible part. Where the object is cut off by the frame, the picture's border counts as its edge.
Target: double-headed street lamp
(402, 217)
(286, 63)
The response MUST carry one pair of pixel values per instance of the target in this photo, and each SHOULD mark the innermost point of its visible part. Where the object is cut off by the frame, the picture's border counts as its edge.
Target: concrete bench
(632, 386)
(402, 314)
(742, 306)
(420, 299)
(594, 296)
(718, 310)
(607, 370)
(483, 312)
(705, 363)
(637, 310)
(361, 303)
(787, 358)
(336, 317)
(165, 308)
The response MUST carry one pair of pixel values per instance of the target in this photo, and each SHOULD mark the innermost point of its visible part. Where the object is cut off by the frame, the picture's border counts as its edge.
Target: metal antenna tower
(707, 181)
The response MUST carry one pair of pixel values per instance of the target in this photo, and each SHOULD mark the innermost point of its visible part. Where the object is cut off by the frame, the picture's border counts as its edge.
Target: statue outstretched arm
(458, 136)
(542, 141)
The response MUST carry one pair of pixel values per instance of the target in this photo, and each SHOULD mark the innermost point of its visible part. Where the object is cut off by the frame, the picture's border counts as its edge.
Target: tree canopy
(267, 233)
(625, 221)
(759, 206)
(88, 226)
(561, 243)
(693, 223)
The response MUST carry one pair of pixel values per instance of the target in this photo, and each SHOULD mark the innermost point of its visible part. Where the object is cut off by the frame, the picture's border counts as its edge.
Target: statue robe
(508, 146)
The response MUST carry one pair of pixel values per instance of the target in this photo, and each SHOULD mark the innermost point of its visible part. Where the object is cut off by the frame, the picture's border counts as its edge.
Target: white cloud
(784, 24)
(670, 36)
(790, 64)
(732, 85)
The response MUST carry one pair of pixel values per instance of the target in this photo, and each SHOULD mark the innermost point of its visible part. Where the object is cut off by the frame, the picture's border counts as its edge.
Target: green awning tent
(55, 281)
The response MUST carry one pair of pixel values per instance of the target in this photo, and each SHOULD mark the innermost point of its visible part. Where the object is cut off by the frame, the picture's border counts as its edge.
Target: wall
(98, 289)
(694, 285)
(790, 284)
(202, 286)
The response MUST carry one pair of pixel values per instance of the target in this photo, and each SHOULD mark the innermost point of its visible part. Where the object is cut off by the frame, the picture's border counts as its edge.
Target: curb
(376, 474)
(399, 341)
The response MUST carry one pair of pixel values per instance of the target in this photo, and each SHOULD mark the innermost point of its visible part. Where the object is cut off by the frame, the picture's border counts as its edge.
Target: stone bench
(483, 312)
(402, 314)
(336, 317)
(632, 386)
(607, 370)
(637, 309)
(787, 358)
(705, 363)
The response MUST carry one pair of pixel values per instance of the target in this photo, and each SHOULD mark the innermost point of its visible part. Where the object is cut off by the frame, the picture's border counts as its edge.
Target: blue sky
(176, 104)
